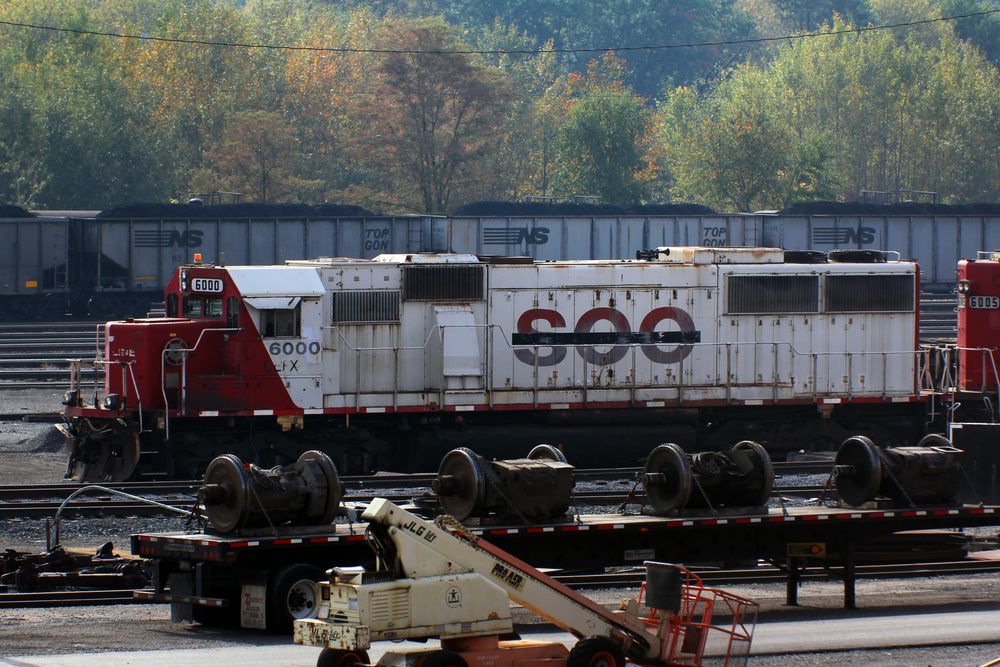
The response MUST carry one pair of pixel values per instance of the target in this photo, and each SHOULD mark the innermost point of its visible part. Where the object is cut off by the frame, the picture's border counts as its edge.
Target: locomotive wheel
(858, 470)
(333, 657)
(750, 455)
(231, 510)
(114, 459)
(596, 652)
(934, 440)
(546, 453)
(467, 495)
(334, 489)
(673, 490)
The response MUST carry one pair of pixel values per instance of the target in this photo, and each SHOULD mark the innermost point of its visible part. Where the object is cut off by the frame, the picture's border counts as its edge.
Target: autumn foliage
(377, 105)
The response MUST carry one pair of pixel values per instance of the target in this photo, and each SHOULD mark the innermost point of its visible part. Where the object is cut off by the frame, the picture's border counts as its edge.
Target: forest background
(523, 98)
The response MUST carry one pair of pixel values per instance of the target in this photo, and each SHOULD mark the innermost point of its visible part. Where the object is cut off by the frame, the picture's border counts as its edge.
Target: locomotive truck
(389, 363)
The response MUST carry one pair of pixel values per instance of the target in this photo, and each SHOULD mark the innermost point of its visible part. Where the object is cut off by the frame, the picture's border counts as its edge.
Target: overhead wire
(557, 50)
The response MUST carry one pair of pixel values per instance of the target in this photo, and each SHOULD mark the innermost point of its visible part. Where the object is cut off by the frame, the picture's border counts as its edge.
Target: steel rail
(356, 483)
(69, 598)
(104, 507)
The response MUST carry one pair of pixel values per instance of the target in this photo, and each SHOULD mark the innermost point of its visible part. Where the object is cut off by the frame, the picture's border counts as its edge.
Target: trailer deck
(791, 538)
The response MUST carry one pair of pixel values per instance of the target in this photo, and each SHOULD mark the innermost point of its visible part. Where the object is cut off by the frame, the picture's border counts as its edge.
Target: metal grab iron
(240, 495)
(927, 473)
(675, 480)
(535, 488)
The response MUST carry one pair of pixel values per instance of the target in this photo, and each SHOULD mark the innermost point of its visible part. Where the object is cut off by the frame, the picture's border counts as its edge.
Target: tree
(732, 151)
(255, 155)
(602, 141)
(434, 116)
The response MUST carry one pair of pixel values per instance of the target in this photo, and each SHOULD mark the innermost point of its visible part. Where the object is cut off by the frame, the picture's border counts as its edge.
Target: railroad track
(36, 355)
(358, 482)
(68, 598)
(762, 574)
(44, 500)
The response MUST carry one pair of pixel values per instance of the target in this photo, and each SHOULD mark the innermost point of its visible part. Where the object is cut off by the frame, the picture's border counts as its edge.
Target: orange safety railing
(711, 623)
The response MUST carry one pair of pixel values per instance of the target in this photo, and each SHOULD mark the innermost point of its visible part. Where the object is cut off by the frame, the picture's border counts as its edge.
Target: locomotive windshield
(198, 307)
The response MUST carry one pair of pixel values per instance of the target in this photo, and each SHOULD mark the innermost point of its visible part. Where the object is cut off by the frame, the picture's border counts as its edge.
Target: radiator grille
(366, 306)
(773, 294)
(390, 606)
(870, 293)
(455, 282)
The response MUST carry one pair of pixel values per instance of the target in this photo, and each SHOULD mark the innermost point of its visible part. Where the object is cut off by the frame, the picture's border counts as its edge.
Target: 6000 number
(294, 348)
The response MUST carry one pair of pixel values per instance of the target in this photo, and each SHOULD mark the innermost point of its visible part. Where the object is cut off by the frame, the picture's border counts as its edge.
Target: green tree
(600, 148)
(731, 149)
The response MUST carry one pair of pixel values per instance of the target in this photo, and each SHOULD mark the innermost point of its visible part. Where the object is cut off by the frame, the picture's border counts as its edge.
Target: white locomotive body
(703, 326)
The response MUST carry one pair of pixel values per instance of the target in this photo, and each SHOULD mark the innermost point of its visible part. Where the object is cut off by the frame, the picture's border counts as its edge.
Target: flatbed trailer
(245, 578)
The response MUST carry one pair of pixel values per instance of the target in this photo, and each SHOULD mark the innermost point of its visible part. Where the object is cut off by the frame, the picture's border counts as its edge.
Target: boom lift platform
(435, 579)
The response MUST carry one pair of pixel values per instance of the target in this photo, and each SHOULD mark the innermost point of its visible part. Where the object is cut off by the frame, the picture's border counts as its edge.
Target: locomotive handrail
(184, 351)
(584, 385)
(946, 382)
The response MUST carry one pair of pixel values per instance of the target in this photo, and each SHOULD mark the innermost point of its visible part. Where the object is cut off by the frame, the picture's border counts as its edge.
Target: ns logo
(843, 236)
(174, 238)
(515, 235)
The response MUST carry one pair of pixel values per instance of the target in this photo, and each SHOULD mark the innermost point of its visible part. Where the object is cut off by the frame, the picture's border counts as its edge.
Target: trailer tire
(596, 652)
(333, 657)
(291, 596)
(443, 658)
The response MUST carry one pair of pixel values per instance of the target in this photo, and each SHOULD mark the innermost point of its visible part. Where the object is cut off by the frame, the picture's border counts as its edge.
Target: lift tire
(289, 596)
(332, 657)
(596, 652)
(443, 658)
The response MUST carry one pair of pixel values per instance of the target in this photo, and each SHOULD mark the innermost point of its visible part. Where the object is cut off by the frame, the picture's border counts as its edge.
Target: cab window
(213, 308)
(232, 313)
(194, 306)
(197, 306)
(280, 323)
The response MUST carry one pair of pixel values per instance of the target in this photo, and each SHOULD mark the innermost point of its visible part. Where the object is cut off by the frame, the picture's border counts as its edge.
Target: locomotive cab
(979, 322)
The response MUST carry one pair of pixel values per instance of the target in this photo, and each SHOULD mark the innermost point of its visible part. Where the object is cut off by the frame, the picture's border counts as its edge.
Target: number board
(211, 285)
(984, 302)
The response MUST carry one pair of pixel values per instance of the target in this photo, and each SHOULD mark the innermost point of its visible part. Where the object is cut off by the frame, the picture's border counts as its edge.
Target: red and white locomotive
(388, 363)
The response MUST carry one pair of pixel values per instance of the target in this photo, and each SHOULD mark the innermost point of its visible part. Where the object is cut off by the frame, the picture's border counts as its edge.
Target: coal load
(9, 211)
(234, 211)
(535, 209)
(902, 208)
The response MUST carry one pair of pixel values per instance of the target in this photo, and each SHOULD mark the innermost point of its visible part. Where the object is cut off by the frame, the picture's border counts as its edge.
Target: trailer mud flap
(253, 605)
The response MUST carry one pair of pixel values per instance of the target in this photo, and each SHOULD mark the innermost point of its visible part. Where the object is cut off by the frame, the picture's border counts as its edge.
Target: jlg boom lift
(436, 580)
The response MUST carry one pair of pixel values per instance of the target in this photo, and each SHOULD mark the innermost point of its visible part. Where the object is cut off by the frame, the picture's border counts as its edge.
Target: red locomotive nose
(979, 322)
